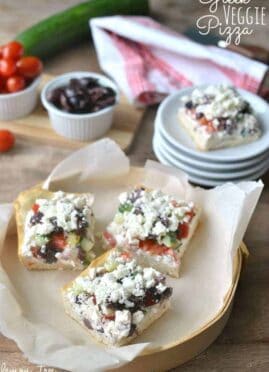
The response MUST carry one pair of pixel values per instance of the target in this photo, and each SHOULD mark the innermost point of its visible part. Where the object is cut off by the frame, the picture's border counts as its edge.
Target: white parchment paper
(31, 311)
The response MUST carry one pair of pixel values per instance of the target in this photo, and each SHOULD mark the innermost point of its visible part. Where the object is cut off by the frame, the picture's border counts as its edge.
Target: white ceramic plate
(206, 164)
(169, 126)
(210, 182)
(190, 167)
(196, 172)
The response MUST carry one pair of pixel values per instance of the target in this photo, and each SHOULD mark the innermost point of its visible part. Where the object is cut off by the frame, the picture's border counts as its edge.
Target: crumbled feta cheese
(119, 285)
(105, 301)
(216, 123)
(138, 317)
(228, 111)
(161, 287)
(92, 273)
(149, 214)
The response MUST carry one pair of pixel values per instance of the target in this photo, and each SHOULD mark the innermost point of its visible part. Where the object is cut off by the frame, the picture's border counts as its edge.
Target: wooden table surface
(244, 343)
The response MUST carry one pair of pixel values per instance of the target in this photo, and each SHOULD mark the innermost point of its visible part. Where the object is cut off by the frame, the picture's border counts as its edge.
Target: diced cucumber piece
(126, 207)
(170, 240)
(86, 261)
(110, 265)
(167, 241)
(119, 218)
(77, 289)
(73, 239)
(89, 257)
(41, 240)
(86, 244)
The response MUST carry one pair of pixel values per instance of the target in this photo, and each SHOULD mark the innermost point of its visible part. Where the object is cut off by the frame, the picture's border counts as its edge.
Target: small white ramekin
(82, 127)
(19, 104)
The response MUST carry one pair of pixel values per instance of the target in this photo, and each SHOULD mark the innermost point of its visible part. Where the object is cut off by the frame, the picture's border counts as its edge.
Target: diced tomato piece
(126, 255)
(157, 249)
(171, 252)
(58, 241)
(183, 230)
(153, 247)
(174, 203)
(109, 317)
(203, 121)
(191, 214)
(210, 127)
(35, 208)
(110, 239)
(35, 251)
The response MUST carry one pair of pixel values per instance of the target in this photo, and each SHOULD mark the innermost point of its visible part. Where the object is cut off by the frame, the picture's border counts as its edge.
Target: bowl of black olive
(81, 104)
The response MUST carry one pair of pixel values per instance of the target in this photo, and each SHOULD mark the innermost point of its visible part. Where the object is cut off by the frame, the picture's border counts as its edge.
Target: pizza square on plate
(55, 229)
(218, 116)
(156, 228)
(115, 299)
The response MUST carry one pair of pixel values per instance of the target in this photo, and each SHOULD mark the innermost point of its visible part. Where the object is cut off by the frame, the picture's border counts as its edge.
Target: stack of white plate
(173, 146)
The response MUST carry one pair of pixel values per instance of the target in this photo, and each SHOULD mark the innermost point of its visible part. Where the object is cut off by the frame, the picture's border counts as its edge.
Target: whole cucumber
(71, 26)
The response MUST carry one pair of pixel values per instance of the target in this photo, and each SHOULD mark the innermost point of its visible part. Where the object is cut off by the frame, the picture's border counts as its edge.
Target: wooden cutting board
(36, 126)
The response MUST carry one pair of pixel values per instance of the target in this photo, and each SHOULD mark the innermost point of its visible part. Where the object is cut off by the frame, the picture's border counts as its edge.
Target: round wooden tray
(173, 355)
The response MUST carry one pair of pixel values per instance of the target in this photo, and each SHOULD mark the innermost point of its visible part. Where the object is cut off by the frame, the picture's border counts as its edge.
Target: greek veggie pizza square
(55, 229)
(218, 117)
(115, 299)
(155, 227)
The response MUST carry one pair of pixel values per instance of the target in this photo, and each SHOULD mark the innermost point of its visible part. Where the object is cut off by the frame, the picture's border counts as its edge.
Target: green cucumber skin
(71, 26)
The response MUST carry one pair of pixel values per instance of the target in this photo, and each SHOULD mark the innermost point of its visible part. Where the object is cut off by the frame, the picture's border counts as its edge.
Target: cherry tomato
(29, 67)
(183, 230)
(1, 51)
(3, 90)
(2, 84)
(35, 208)
(59, 241)
(15, 83)
(13, 50)
(7, 140)
(7, 67)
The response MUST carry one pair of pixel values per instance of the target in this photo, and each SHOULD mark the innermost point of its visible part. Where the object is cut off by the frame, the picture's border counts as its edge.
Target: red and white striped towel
(149, 60)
